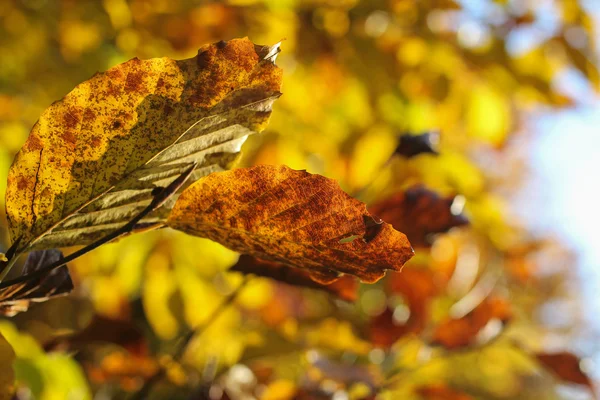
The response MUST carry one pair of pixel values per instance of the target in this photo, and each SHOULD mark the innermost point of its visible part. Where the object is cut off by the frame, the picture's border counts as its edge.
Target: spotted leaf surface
(304, 220)
(94, 158)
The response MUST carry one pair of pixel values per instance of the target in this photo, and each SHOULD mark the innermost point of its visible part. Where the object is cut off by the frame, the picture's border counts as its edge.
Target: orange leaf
(345, 287)
(419, 213)
(455, 333)
(294, 217)
(417, 287)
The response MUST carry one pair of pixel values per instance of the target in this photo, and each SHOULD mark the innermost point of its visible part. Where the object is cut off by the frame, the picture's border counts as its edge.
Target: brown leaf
(419, 213)
(346, 287)
(96, 158)
(410, 145)
(293, 217)
(456, 333)
(441, 392)
(566, 366)
(18, 297)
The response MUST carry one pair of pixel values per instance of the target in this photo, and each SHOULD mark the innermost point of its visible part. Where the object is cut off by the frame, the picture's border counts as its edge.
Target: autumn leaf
(410, 145)
(420, 213)
(565, 366)
(57, 282)
(417, 288)
(95, 158)
(293, 217)
(461, 332)
(7, 374)
(346, 287)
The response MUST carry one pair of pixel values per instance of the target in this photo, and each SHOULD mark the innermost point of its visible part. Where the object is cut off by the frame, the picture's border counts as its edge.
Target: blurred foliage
(358, 75)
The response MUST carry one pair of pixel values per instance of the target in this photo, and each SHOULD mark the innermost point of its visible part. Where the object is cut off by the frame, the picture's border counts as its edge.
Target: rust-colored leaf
(97, 157)
(18, 297)
(441, 392)
(293, 217)
(346, 287)
(461, 332)
(419, 213)
(417, 287)
(566, 366)
(410, 145)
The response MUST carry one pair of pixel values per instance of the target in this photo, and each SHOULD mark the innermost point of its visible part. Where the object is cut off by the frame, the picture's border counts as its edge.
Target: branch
(157, 201)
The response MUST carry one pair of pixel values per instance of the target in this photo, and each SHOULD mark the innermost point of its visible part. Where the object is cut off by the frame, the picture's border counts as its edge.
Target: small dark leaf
(412, 145)
(17, 298)
(565, 366)
(420, 213)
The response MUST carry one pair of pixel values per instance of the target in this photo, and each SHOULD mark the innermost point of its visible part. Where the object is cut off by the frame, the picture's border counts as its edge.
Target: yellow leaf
(488, 115)
(300, 219)
(93, 159)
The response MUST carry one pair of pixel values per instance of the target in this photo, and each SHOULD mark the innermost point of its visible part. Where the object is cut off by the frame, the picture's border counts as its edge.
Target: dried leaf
(411, 145)
(417, 287)
(96, 158)
(420, 213)
(461, 332)
(441, 392)
(566, 366)
(293, 217)
(346, 287)
(18, 297)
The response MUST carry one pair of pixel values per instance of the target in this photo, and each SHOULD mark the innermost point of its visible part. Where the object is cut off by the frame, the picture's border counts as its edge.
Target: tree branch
(158, 200)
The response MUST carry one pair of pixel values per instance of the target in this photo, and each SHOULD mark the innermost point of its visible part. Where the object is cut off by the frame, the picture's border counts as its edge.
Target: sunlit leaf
(293, 217)
(95, 158)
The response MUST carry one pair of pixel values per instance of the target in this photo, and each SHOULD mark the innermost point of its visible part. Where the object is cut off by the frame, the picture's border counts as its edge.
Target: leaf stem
(156, 202)
(185, 340)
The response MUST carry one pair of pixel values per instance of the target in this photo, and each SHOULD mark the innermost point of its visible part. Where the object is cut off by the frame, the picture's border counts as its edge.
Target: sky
(565, 161)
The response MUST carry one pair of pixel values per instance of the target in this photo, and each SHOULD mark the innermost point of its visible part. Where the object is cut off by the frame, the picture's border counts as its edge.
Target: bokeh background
(511, 87)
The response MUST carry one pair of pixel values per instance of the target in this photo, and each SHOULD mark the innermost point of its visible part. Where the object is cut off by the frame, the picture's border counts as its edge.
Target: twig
(157, 201)
(184, 341)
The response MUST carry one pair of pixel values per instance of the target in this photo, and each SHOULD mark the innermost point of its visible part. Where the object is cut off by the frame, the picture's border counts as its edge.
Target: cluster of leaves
(138, 143)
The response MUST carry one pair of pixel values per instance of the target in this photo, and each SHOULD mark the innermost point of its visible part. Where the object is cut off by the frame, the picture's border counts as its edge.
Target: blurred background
(503, 308)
